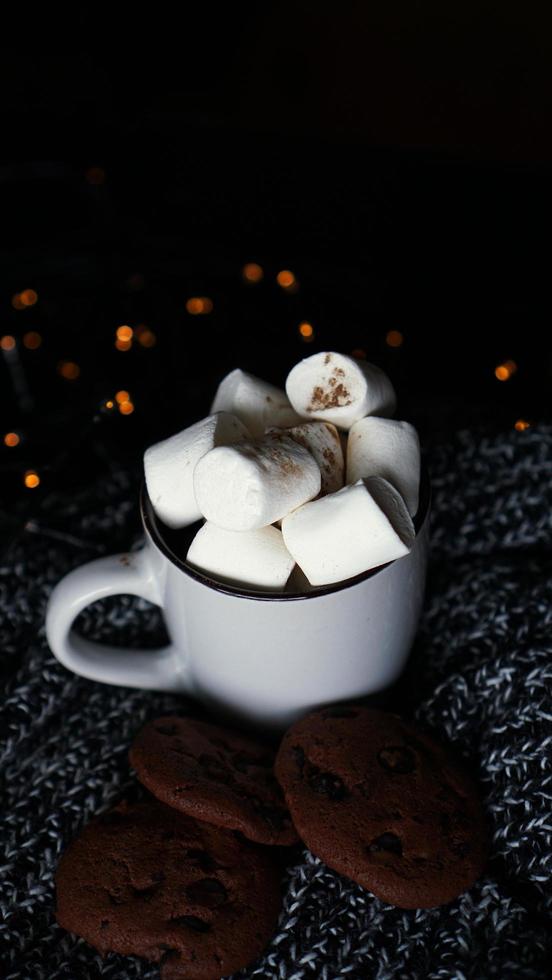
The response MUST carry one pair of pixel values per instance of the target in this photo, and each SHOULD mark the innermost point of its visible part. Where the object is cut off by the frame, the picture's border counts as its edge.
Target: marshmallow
(339, 389)
(246, 486)
(257, 403)
(258, 559)
(348, 532)
(169, 466)
(385, 447)
(323, 442)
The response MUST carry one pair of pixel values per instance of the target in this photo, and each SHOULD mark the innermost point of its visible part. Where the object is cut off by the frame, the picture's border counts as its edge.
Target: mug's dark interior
(174, 545)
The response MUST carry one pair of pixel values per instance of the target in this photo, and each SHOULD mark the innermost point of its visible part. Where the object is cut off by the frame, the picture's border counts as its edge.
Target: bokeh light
(32, 340)
(122, 396)
(287, 280)
(28, 297)
(7, 342)
(504, 371)
(17, 302)
(31, 479)
(124, 333)
(68, 370)
(521, 425)
(126, 407)
(359, 353)
(11, 439)
(252, 272)
(394, 338)
(306, 330)
(198, 305)
(145, 336)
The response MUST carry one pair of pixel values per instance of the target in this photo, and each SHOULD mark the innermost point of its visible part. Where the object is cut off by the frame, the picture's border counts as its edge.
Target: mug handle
(161, 670)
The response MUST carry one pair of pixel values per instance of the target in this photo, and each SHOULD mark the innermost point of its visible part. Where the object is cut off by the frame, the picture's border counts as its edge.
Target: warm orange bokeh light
(359, 353)
(394, 338)
(122, 396)
(7, 342)
(109, 404)
(286, 279)
(32, 340)
(123, 344)
(95, 176)
(11, 439)
(306, 330)
(17, 302)
(68, 370)
(31, 479)
(126, 407)
(252, 272)
(28, 297)
(145, 336)
(124, 333)
(199, 304)
(505, 371)
(521, 425)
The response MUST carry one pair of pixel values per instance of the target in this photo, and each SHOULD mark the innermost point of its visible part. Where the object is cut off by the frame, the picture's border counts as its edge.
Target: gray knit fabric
(480, 676)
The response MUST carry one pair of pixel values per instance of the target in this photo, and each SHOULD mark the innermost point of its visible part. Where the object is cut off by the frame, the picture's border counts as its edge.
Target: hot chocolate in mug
(263, 658)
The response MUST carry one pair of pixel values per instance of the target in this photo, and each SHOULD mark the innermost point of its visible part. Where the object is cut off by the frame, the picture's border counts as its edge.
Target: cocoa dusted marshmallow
(349, 532)
(169, 466)
(388, 448)
(323, 441)
(257, 403)
(252, 484)
(258, 559)
(339, 389)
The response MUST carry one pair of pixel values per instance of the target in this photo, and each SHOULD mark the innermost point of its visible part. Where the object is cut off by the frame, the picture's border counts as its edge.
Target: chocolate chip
(327, 784)
(166, 729)
(215, 769)
(146, 894)
(204, 860)
(386, 842)
(104, 923)
(192, 922)
(397, 758)
(115, 898)
(208, 892)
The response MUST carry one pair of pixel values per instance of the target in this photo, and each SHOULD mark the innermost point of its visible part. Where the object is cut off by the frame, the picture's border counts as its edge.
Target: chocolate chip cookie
(383, 804)
(145, 880)
(213, 774)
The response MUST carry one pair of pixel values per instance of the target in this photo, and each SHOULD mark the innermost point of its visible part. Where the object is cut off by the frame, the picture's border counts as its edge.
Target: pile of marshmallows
(314, 482)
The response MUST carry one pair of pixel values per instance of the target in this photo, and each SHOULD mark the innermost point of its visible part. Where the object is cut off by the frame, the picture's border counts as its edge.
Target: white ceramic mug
(263, 658)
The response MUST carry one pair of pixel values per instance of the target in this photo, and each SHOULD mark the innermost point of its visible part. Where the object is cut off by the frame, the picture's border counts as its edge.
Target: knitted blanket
(480, 676)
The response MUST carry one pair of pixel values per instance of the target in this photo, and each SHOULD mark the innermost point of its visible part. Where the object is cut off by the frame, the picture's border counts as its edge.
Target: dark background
(394, 156)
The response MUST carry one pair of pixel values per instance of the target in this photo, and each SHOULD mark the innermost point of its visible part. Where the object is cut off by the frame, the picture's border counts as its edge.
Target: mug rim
(151, 525)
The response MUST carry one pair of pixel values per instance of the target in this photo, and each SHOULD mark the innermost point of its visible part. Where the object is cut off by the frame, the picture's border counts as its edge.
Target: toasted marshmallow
(256, 403)
(346, 533)
(323, 442)
(169, 466)
(339, 389)
(258, 559)
(385, 447)
(247, 486)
